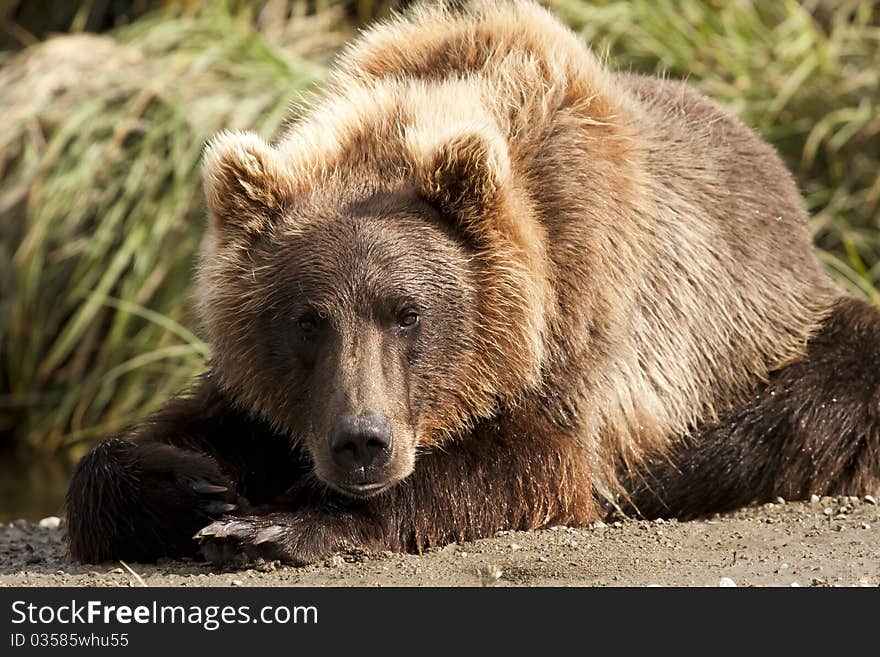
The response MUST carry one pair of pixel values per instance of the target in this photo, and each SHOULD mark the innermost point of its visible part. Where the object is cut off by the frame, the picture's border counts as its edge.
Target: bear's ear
(465, 176)
(246, 183)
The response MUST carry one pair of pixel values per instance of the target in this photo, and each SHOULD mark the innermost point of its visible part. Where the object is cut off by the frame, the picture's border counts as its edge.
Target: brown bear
(488, 284)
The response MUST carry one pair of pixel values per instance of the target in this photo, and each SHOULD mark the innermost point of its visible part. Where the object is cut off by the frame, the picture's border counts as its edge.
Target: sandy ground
(826, 542)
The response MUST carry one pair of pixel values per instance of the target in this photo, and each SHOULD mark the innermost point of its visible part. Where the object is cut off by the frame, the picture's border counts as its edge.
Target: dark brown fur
(618, 308)
(813, 429)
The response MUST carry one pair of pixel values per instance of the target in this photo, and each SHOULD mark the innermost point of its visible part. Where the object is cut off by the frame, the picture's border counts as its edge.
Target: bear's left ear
(465, 175)
(246, 183)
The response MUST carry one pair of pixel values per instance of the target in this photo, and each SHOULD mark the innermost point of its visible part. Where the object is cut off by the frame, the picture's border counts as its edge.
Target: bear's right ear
(466, 172)
(246, 183)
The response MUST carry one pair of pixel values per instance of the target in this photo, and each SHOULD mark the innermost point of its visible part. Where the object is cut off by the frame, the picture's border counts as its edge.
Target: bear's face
(364, 311)
(357, 318)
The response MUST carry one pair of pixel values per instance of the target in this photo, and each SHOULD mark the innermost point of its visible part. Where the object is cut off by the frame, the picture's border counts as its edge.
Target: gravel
(790, 544)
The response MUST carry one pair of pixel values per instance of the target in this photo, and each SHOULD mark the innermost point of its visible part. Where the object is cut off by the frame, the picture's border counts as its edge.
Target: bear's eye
(407, 318)
(308, 323)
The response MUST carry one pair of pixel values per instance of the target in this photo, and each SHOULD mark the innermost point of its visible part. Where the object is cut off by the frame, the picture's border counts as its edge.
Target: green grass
(101, 212)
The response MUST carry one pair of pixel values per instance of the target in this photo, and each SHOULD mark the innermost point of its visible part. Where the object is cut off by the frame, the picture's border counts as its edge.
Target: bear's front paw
(296, 538)
(142, 501)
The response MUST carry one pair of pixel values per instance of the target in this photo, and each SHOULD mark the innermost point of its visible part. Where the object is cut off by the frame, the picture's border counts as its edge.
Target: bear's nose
(361, 442)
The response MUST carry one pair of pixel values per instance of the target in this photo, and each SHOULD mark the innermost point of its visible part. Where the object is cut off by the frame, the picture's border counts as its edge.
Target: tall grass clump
(806, 75)
(101, 211)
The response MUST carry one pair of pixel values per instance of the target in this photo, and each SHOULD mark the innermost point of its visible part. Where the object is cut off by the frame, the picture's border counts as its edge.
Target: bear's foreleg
(470, 489)
(143, 496)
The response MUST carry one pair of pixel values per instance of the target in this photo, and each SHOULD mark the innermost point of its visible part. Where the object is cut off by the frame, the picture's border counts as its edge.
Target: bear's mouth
(365, 489)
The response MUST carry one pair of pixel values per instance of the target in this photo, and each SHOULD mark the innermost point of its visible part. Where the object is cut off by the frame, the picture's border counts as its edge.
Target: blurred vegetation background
(105, 106)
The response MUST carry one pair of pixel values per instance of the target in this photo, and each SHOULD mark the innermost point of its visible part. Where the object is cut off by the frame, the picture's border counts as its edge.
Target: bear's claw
(203, 487)
(223, 528)
(277, 537)
(216, 508)
(268, 534)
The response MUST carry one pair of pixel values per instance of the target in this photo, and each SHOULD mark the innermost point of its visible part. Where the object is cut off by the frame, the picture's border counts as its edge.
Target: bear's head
(370, 318)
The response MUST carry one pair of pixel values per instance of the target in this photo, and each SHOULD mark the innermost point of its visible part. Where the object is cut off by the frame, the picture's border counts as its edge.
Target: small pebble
(515, 546)
(780, 500)
(865, 525)
(52, 522)
(828, 511)
(870, 499)
(726, 582)
(815, 499)
(599, 525)
(236, 582)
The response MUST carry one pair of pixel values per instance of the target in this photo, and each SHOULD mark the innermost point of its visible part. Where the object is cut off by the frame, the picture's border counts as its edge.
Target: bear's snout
(360, 447)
